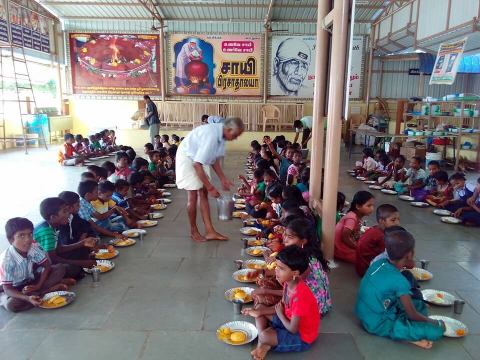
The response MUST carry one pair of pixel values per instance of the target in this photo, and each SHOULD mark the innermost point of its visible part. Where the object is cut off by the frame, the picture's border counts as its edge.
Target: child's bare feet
(197, 237)
(68, 281)
(215, 236)
(260, 352)
(423, 344)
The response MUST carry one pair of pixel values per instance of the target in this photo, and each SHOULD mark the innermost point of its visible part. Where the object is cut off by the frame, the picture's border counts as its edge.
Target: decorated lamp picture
(117, 61)
(197, 74)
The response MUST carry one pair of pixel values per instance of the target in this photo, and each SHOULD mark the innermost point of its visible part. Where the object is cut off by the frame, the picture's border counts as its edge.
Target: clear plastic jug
(225, 206)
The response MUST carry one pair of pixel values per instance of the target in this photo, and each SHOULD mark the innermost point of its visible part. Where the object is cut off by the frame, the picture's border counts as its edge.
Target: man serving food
(197, 154)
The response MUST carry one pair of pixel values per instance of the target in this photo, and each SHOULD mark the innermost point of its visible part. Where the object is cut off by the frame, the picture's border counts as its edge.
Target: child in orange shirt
(67, 155)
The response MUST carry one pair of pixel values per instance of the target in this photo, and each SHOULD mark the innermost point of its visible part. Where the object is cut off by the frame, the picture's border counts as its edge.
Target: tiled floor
(164, 300)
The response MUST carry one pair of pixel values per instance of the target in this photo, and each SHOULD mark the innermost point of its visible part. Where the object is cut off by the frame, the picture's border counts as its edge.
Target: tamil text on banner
(113, 64)
(292, 66)
(215, 64)
(27, 28)
(446, 65)
(356, 67)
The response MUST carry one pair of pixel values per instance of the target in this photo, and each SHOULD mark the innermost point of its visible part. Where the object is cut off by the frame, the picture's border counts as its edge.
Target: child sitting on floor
(154, 157)
(293, 192)
(120, 198)
(299, 233)
(367, 164)
(140, 197)
(67, 155)
(139, 164)
(165, 176)
(395, 172)
(55, 214)
(95, 146)
(176, 140)
(462, 191)
(122, 170)
(252, 192)
(172, 154)
(381, 169)
(384, 304)
(88, 191)
(110, 167)
(86, 147)
(105, 205)
(304, 184)
(77, 229)
(415, 176)
(442, 192)
(98, 172)
(147, 148)
(87, 175)
(372, 243)
(23, 285)
(429, 184)
(292, 324)
(284, 161)
(347, 230)
(472, 217)
(164, 139)
(468, 212)
(157, 145)
(295, 170)
(78, 145)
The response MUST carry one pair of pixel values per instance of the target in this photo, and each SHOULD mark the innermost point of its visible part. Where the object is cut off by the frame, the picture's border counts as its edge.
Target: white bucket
(432, 156)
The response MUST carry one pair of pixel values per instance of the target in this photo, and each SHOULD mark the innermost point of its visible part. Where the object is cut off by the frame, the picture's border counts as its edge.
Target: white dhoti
(186, 176)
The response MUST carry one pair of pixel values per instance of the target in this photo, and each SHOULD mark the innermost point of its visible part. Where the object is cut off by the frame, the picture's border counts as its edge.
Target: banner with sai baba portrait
(215, 64)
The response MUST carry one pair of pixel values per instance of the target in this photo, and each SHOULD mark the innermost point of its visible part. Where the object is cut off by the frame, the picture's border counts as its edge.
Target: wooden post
(334, 127)
(370, 65)
(319, 109)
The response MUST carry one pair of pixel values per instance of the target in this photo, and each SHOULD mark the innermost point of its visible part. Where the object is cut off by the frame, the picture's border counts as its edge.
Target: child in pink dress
(347, 230)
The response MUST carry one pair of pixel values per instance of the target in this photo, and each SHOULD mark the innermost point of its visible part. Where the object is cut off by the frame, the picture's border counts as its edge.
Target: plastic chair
(271, 112)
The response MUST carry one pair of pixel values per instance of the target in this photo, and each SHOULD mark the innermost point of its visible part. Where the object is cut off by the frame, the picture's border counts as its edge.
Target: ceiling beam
(191, 5)
(150, 7)
(185, 19)
(268, 16)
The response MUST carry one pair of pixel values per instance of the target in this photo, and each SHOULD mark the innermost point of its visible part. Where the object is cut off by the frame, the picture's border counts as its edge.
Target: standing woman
(197, 154)
(152, 118)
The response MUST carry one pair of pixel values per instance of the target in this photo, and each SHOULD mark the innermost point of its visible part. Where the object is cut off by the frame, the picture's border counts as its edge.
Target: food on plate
(271, 236)
(102, 268)
(55, 301)
(238, 336)
(135, 234)
(257, 266)
(263, 203)
(251, 232)
(266, 222)
(274, 254)
(256, 251)
(110, 249)
(105, 255)
(425, 276)
(255, 243)
(272, 265)
(124, 242)
(239, 201)
(461, 332)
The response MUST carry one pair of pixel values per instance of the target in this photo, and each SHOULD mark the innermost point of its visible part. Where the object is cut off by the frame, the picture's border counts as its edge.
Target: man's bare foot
(215, 236)
(261, 352)
(423, 343)
(68, 281)
(197, 237)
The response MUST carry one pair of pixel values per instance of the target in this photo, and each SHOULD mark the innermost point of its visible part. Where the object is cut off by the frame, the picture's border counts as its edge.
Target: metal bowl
(247, 290)
(442, 212)
(406, 198)
(250, 250)
(375, 187)
(243, 272)
(107, 263)
(431, 296)
(420, 204)
(134, 233)
(68, 295)
(389, 192)
(250, 231)
(453, 324)
(421, 274)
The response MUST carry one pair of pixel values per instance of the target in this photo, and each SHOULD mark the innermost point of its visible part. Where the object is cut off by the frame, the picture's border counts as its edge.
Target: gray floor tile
(472, 344)
(435, 251)
(183, 247)
(450, 276)
(87, 344)
(376, 348)
(149, 309)
(472, 298)
(5, 317)
(141, 249)
(341, 318)
(203, 272)
(21, 344)
(185, 345)
(472, 267)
